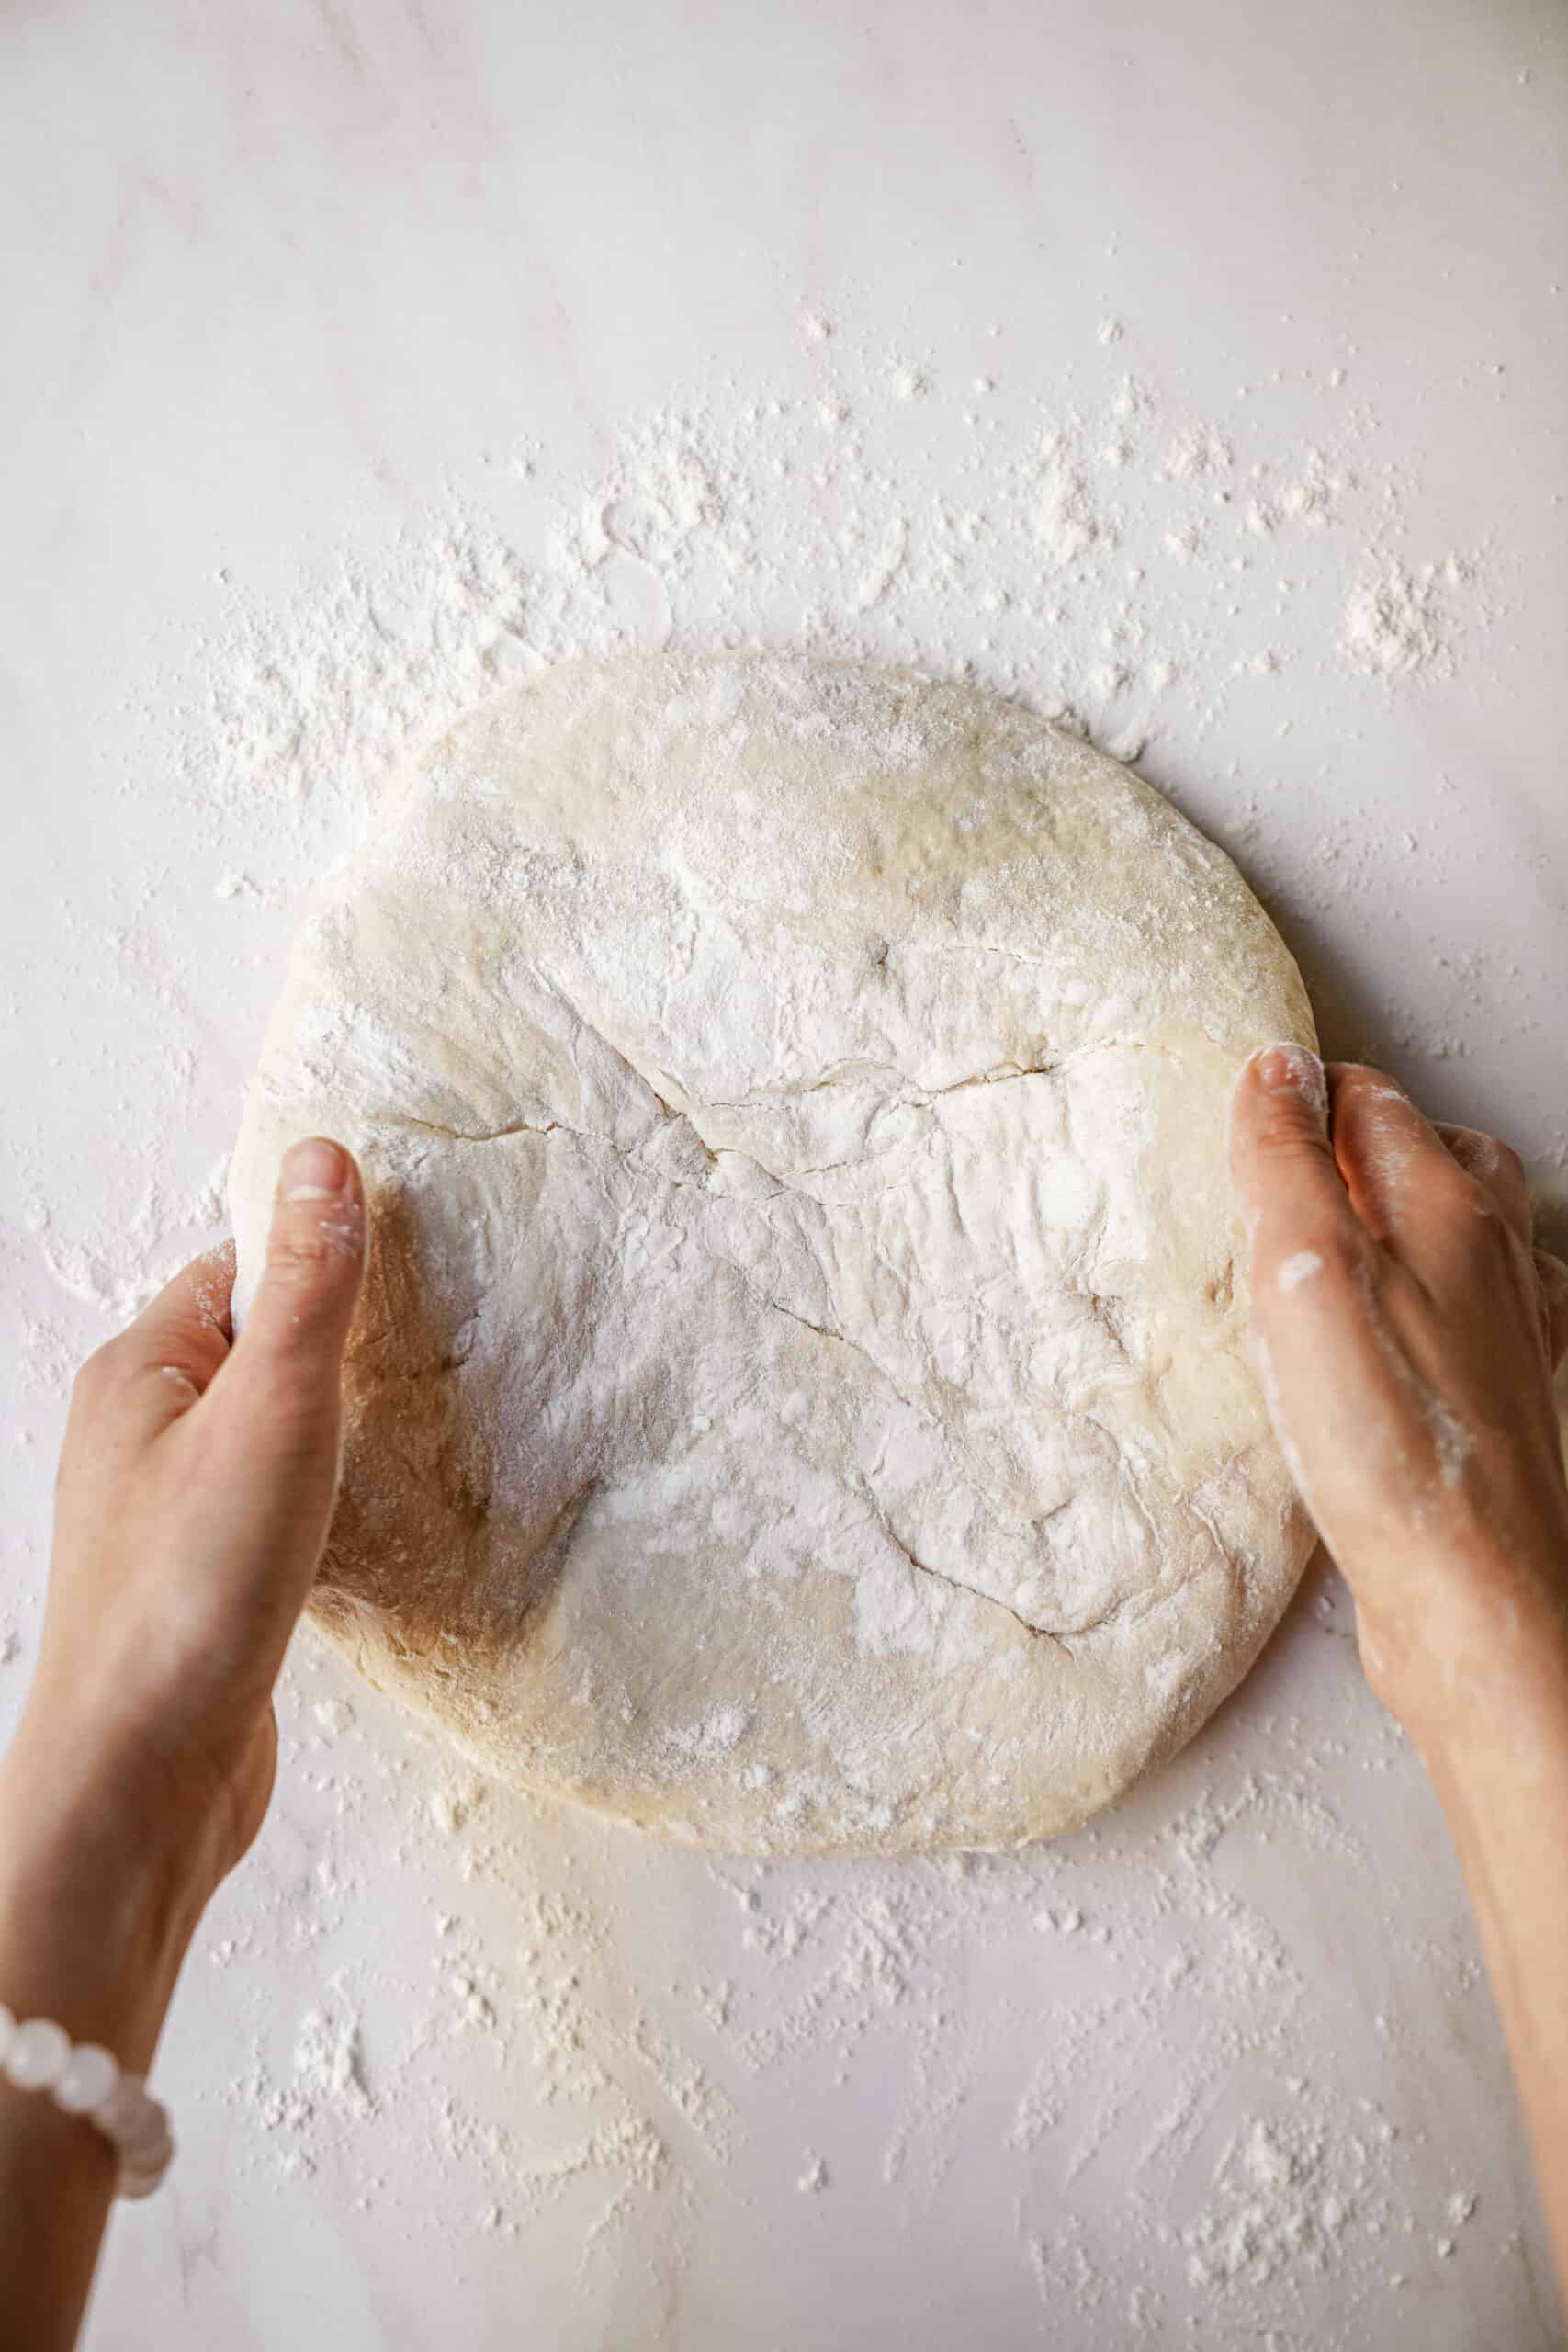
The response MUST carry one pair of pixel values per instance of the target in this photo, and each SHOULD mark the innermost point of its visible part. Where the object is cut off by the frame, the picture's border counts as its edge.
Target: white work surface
(1199, 370)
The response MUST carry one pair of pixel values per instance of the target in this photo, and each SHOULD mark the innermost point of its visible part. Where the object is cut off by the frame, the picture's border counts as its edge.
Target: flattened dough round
(798, 1402)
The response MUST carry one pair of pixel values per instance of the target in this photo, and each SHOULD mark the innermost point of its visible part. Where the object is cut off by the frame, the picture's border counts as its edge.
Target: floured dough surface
(799, 1400)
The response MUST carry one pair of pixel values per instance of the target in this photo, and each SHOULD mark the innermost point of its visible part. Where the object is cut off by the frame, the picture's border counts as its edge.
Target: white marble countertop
(1199, 369)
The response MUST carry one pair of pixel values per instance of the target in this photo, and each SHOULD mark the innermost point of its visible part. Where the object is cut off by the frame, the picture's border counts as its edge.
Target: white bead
(121, 2116)
(152, 2156)
(87, 2081)
(147, 2127)
(139, 2174)
(39, 2054)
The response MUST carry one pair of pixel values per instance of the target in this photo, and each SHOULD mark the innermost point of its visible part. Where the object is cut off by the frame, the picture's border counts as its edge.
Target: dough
(799, 1400)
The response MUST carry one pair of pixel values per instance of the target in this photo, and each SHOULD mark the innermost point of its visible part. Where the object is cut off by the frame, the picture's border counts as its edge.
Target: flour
(717, 1734)
(450, 1807)
(1258, 2192)
(1271, 2206)
(324, 2091)
(697, 529)
(1070, 525)
(730, 515)
(118, 1271)
(326, 699)
(329, 2063)
(868, 1980)
(1199, 453)
(1400, 622)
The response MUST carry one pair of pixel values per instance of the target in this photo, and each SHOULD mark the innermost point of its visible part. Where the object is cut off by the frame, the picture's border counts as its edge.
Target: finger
(1282, 1161)
(262, 1448)
(1496, 1168)
(1312, 1266)
(1553, 1276)
(282, 1381)
(1389, 1155)
(159, 1366)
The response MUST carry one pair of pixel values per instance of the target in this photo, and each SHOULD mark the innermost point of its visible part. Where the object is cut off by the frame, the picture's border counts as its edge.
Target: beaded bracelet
(86, 2081)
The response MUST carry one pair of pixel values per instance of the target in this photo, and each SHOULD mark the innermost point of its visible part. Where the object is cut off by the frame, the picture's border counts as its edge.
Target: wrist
(1473, 1650)
(97, 1899)
(1498, 1710)
(94, 1924)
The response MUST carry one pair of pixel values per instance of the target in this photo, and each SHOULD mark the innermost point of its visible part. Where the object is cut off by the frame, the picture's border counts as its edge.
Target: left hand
(196, 1487)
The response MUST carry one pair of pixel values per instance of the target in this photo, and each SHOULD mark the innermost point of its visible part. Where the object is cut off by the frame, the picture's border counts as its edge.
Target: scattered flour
(1400, 622)
(1191, 2156)
(1107, 567)
(1151, 579)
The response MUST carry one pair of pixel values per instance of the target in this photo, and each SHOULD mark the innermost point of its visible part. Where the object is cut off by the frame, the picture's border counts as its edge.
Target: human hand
(196, 1487)
(1404, 1332)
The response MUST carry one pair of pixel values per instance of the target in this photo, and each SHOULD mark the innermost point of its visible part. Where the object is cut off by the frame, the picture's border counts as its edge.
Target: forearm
(92, 1937)
(1503, 1786)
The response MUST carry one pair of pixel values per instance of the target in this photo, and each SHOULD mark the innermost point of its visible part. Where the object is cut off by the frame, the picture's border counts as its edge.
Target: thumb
(1282, 1160)
(263, 1443)
(287, 1366)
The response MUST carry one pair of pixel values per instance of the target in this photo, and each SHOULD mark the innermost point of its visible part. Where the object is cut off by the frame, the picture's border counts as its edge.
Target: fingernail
(1292, 1069)
(314, 1170)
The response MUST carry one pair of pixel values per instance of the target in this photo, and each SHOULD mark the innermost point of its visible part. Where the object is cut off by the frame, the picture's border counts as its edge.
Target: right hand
(1406, 1333)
